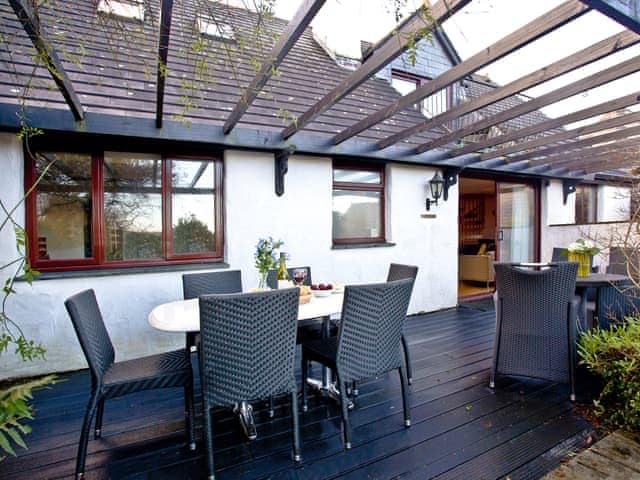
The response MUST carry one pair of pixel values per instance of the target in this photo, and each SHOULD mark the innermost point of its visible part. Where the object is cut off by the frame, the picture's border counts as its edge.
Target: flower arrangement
(265, 257)
(584, 247)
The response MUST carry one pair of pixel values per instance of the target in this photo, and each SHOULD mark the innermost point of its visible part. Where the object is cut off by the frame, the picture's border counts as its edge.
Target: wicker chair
(248, 352)
(368, 342)
(308, 329)
(536, 315)
(398, 272)
(110, 380)
(196, 284)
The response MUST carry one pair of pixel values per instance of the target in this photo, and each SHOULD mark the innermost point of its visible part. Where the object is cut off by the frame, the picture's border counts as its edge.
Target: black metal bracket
(281, 168)
(568, 187)
(450, 175)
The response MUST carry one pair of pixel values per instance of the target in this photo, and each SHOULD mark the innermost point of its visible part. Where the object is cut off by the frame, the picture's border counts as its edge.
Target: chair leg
(295, 425)
(189, 416)
(305, 374)
(208, 436)
(407, 359)
(405, 398)
(84, 434)
(344, 404)
(97, 432)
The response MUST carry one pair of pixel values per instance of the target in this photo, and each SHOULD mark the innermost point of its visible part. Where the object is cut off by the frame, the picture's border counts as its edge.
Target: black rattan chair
(368, 341)
(207, 283)
(225, 281)
(110, 380)
(397, 272)
(311, 328)
(536, 315)
(248, 344)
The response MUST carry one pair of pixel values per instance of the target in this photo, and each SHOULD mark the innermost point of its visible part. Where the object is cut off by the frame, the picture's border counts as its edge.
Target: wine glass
(299, 275)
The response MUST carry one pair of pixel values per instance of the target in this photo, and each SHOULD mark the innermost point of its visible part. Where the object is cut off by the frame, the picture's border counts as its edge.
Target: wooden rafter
(564, 157)
(600, 109)
(563, 136)
(31, 24)
(590, 54)
(595, 80)
(584, 142)
(527, 34)
(287, 40)
(166, 9)
(596, 159)
(393, 46)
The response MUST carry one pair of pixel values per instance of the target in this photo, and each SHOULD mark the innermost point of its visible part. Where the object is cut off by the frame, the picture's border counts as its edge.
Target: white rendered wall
(557, 222)
(302, 218)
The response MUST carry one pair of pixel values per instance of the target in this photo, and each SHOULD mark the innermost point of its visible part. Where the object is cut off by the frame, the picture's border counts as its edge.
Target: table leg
(582, 308)
(245, 415)
(326, 387)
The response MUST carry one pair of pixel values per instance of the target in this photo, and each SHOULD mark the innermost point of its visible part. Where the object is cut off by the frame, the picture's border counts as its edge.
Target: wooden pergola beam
(567, 135)
(566, 157)
(31, 24)
(603, 156)
(595, 80)
(590, 54)
(390, 49)
(296, 27)
(585, 142)
(166, 10)
(601, 108)
(537, 28)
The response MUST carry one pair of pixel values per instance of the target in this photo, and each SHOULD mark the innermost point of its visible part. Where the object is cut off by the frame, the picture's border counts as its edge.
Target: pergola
(555, 152)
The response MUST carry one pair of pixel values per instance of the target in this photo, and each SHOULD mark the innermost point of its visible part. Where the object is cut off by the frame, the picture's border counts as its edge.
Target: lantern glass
(436, 185)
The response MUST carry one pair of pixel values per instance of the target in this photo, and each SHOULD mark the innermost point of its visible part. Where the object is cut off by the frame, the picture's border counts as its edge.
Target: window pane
(403, 86)
(356, 176)
(132, 206)
(63, 207)
(586, 204)
(192, 206)
(356, 214)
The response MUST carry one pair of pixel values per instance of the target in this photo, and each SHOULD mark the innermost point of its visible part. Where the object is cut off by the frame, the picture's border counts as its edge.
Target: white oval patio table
(184, 315)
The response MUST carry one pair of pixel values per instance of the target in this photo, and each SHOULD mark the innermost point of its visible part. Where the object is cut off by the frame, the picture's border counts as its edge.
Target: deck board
(460, 428)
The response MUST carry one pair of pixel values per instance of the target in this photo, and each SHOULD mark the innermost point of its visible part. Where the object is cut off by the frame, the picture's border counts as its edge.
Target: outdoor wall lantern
(436, 185)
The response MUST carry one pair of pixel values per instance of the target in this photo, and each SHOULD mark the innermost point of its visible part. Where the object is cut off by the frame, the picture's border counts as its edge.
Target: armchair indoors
(536, 317)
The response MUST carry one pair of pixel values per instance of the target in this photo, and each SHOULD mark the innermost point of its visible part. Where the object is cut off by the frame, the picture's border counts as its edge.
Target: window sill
(110, 272)
(349, 246)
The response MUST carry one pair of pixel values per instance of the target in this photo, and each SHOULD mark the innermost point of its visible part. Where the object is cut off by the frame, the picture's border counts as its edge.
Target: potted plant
(265, 259)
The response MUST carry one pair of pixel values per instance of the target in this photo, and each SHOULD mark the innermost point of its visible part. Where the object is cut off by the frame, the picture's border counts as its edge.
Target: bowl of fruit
(321, 289)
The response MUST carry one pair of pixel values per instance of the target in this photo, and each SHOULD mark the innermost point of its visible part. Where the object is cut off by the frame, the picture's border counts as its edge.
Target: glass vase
(262, 281)
(584, 262)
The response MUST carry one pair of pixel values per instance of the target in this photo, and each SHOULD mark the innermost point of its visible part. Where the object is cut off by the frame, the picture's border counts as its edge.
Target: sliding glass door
(516, 235)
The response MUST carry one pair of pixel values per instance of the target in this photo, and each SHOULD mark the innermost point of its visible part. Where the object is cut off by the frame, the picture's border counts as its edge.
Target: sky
(479, 25)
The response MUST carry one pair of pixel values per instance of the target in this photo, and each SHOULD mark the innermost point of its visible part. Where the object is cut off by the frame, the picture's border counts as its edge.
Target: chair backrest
(93, 336)
(559, 255)
(373, 317)
(248, 345)
(225, 281)
(624, 261)
(272, 280)
(532, 314)
(398, 271)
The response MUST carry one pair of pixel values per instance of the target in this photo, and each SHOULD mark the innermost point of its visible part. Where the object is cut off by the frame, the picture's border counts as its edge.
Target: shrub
(614, 355)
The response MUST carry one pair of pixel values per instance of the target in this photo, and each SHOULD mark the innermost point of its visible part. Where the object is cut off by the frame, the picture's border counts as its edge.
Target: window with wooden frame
(586, 204)
(431, 106)
(117, 209)
(358, 203)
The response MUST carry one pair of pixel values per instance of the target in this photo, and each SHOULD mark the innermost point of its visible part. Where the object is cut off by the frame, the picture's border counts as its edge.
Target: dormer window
(213, 28)
(130, 9)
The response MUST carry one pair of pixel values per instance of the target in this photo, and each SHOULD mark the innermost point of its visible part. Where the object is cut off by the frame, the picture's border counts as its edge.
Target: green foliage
(13, 399)
(614, 355)
(265, 254)
(191, 235)
(14, 409)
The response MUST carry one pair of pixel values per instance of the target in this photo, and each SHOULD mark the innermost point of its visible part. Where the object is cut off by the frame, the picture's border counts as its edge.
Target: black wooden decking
(460, 428)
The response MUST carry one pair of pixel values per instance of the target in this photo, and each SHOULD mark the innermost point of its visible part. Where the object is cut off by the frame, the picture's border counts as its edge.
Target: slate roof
(115, 73)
